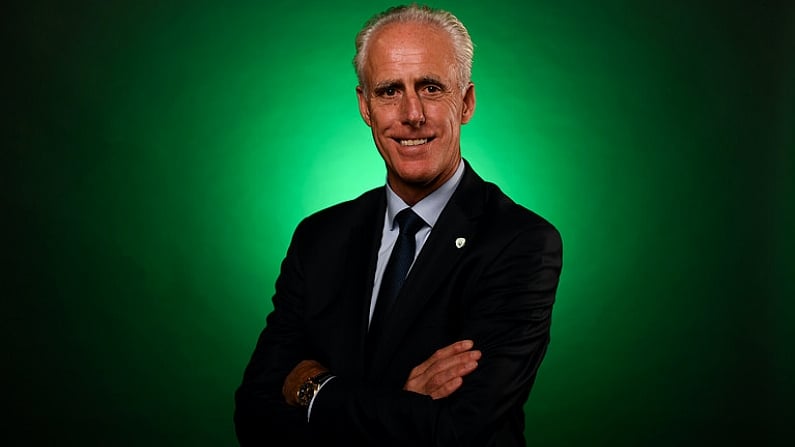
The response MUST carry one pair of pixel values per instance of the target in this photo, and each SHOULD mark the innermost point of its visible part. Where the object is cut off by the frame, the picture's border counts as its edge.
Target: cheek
(445, 112)
(382, 116)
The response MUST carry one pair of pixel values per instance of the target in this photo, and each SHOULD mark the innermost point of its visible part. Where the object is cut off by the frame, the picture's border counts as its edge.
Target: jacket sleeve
(261, 415)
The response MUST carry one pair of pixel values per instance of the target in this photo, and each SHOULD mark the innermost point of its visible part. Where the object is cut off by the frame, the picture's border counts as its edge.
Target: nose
(413, 113)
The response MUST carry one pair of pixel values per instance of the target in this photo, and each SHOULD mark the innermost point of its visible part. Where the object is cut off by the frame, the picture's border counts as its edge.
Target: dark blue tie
(398, 265)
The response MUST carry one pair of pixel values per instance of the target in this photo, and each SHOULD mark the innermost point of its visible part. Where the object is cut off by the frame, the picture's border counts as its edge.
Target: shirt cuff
(311, 402)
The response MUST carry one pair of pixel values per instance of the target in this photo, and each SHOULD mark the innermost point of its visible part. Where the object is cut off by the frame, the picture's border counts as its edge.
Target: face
(414, 104)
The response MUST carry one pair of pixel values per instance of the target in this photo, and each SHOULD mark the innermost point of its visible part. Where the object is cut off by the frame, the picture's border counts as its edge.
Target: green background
(158, 155)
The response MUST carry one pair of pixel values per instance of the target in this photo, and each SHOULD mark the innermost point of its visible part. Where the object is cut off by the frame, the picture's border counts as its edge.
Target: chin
(416, 175)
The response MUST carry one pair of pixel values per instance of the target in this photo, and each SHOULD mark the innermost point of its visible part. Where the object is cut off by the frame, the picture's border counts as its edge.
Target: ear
(469, 104)
(364, 109)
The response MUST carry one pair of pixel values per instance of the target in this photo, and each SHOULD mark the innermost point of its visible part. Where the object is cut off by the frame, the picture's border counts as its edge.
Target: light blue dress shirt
(429, 209)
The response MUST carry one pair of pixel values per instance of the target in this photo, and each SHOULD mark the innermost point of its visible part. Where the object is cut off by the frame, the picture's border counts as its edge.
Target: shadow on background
(159, 154)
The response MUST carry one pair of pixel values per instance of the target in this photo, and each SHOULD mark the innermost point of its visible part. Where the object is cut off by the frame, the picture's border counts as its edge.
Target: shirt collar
(430, 207)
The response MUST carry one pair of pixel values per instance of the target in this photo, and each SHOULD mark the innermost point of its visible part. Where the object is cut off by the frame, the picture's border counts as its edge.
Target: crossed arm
(458, 395)
(439, 376)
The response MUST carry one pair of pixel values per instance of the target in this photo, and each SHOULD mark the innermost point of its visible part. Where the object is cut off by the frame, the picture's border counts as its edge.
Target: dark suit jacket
(497, 289)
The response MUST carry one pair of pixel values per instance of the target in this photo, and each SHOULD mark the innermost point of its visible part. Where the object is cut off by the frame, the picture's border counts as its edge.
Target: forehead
(409, 49)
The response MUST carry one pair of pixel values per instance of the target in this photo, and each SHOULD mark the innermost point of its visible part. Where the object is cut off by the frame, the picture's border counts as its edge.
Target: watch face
(305, 393)
(308, 389)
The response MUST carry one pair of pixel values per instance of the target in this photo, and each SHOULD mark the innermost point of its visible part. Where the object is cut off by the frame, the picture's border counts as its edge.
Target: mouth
(413, 142)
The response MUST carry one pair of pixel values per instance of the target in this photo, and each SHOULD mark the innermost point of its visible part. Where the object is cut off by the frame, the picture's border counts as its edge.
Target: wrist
(302, 373)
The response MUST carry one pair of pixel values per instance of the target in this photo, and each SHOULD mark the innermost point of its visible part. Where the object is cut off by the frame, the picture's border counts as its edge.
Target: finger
(440, 380)
(451, 363)
(444, 369)
(453, 349)
(443, 382)
(441, 354)
(447, 389)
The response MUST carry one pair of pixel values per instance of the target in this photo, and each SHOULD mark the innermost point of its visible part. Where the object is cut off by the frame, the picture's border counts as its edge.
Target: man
(450, 356)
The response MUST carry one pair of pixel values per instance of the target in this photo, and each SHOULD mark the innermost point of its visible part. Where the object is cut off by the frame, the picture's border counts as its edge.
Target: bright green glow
(164, 154)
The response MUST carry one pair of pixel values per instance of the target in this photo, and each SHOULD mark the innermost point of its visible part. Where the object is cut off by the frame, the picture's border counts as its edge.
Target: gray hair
(414, 13)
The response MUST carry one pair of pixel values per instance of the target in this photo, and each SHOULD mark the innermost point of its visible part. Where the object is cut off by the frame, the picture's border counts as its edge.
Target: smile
(416, 142)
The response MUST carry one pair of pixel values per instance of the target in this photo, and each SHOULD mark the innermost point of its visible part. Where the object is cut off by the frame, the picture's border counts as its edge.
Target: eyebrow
(389, 83)
(429, 79)
(394, 83)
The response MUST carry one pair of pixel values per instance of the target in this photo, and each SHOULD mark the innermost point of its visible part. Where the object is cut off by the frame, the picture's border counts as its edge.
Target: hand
(442, 373)
(300, 374)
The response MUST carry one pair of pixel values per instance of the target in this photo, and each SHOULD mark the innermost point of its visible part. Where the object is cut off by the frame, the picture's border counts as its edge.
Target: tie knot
(409, 222)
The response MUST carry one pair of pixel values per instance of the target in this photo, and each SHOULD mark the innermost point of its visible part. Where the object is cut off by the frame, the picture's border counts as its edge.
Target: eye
(387, 92)
(432, 90)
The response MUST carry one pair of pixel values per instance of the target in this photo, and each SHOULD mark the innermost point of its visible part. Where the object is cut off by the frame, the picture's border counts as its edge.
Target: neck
(411, 193)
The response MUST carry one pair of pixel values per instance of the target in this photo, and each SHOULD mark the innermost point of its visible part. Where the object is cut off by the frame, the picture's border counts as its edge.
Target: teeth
(413, 142)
